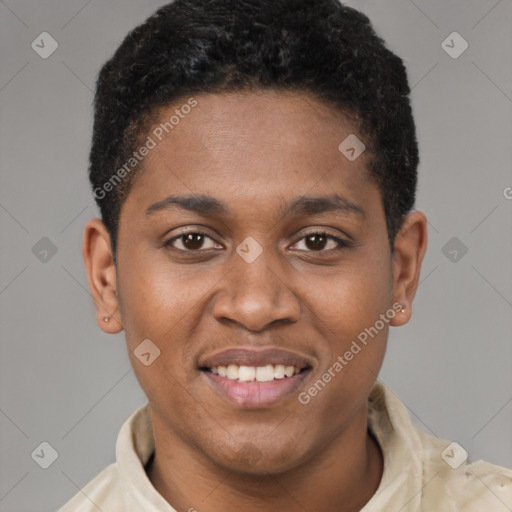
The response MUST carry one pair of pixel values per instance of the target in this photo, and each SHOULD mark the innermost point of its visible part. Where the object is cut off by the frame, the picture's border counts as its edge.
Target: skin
(256, 151)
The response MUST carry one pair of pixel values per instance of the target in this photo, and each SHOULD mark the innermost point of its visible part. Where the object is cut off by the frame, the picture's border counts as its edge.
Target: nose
(256, 295)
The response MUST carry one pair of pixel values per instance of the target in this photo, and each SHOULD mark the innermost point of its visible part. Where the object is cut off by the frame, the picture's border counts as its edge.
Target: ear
(101, 273)
(410, 246)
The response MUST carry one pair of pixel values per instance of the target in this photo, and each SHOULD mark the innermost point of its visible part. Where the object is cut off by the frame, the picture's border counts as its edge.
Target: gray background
(65, 382)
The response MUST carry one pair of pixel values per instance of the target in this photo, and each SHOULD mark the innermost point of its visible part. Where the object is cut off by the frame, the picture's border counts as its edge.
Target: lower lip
(256, 394)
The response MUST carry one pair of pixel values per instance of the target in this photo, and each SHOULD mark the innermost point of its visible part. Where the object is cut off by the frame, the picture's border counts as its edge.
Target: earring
(402, 310)
(106, 318)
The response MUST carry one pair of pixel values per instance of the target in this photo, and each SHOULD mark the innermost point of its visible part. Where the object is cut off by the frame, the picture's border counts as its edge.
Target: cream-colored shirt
(421, 473)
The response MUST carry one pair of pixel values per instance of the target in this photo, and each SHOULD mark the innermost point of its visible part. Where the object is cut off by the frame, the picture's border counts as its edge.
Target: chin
(250, 459)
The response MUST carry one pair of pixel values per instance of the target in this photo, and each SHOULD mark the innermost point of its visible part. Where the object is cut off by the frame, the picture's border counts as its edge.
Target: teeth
(255, 373)
(265, 373)
(232, 372)
(289, 371)
(279, 371)
(246, 373)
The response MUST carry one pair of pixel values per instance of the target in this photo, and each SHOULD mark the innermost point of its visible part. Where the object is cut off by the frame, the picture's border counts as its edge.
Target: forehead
(243, 147)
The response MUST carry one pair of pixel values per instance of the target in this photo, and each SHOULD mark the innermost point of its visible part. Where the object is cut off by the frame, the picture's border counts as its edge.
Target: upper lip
(243, 356)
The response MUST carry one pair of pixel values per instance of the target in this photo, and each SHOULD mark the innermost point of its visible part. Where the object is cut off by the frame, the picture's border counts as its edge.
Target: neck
(341, 477)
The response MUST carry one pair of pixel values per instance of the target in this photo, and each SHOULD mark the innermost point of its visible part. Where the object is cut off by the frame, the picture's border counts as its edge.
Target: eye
(194, 241)
(191, 241)
(318, 241)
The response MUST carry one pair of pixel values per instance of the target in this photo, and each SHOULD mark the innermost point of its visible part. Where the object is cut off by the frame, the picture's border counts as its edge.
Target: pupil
(316, 241)
(193, 241)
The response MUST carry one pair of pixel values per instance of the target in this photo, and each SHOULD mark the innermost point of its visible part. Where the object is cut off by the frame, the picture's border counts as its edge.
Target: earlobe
(101, 274)
(410, 247)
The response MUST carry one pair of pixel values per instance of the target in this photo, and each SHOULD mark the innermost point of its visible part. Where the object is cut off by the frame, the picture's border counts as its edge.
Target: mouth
(250, 378)
(246, 374)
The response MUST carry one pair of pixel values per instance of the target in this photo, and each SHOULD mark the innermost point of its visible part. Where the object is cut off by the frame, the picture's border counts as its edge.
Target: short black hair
(213, 46)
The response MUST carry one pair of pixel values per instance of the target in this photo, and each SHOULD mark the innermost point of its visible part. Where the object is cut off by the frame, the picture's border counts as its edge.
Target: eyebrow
(303, 205)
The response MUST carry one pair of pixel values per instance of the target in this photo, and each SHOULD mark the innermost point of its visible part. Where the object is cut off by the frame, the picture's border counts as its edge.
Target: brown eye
(321, 242)
(191, 241)
(316, 242)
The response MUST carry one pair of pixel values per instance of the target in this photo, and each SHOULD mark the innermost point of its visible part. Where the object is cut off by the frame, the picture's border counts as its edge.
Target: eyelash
(341, 243)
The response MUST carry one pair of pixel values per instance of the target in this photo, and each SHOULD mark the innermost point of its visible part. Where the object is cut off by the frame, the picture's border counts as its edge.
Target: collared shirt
(421, 473)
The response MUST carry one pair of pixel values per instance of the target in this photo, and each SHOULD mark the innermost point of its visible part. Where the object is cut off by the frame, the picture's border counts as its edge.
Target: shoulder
(452, 482)
(103, 492)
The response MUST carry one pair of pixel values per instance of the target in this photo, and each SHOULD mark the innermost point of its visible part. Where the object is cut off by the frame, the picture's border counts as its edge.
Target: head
(243, 109)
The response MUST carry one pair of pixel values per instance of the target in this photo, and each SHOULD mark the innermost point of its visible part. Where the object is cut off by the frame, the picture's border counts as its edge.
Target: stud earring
(106, 318)
(402, 310)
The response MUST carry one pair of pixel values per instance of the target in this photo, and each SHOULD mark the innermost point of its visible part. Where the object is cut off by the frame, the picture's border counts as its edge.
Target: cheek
(346, 310)
(353, 297)
(348, 318)
(163, 304)
(157, 297)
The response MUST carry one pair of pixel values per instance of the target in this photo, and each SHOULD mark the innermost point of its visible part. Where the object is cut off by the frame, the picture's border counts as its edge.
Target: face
(254, 254)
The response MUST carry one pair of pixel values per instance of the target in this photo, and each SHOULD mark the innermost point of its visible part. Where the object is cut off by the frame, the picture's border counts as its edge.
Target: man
(255, 167)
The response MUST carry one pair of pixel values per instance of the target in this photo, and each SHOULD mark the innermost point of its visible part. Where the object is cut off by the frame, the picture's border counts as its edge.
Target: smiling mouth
(251, 374)
(255, 377)
(256, 387)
